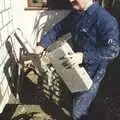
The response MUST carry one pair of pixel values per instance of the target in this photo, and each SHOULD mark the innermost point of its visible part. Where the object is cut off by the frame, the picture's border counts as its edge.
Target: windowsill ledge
(36, 8)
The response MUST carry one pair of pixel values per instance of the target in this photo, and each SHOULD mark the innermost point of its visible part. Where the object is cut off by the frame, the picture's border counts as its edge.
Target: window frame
(35, 6)
(51, 5)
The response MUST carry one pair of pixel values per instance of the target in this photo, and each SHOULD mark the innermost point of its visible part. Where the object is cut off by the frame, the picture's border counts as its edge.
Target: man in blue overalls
(95, 41)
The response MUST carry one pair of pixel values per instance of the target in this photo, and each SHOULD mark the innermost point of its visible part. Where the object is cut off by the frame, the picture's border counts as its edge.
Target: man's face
(78, 4)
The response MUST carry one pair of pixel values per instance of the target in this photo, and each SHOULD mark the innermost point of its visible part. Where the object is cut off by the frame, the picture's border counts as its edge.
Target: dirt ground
(41, 102)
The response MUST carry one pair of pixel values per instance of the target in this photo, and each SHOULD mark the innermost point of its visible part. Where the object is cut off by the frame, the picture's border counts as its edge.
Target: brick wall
(6, 27)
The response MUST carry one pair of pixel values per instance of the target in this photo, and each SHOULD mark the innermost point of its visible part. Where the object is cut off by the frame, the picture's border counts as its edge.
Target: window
(36, 3)
(49, 4)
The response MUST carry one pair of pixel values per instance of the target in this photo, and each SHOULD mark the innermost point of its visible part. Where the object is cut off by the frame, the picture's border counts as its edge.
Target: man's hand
(74, 59)
(39, 49)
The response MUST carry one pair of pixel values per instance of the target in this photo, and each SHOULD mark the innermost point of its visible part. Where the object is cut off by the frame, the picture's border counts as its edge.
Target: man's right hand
(39, 49)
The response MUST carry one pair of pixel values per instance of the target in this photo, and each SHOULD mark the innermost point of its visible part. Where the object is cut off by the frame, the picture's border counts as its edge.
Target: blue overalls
(95, 33)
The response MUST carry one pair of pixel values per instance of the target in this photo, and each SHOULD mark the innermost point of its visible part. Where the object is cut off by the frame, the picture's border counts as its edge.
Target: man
(95, 42)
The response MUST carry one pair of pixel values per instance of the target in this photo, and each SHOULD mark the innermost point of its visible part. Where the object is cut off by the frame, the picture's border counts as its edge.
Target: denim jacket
(94, 32)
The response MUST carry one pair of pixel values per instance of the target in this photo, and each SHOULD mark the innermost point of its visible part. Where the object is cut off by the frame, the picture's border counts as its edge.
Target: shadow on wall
(11, 68)
(60, 4)
(46, 20)
(113, 7)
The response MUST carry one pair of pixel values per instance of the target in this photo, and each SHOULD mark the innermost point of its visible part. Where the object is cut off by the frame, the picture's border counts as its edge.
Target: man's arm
(110, 37)
(57, 31)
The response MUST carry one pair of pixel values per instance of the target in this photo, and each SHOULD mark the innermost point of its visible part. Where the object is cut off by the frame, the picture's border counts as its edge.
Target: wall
(6, 27)
(34, 22)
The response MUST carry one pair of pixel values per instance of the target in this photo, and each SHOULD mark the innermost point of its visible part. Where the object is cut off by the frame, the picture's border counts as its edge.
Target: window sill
(36, 8)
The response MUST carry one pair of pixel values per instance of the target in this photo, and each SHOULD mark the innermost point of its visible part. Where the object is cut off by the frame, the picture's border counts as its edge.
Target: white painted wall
(27, 19)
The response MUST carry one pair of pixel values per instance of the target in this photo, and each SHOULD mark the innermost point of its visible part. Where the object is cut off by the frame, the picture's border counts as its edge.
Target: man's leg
(82, 101)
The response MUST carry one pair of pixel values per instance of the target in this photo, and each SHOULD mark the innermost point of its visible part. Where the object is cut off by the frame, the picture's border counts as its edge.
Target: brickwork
(6, 27)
